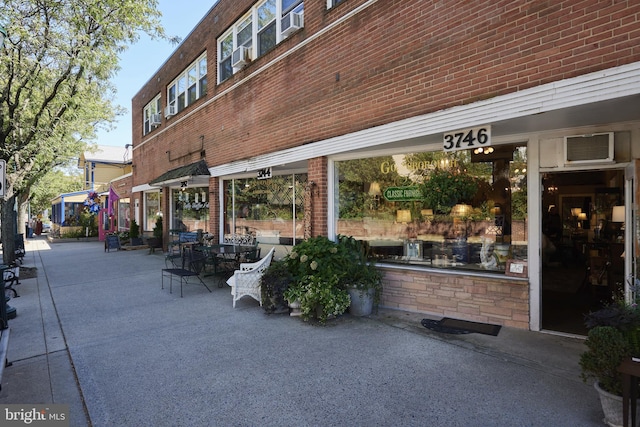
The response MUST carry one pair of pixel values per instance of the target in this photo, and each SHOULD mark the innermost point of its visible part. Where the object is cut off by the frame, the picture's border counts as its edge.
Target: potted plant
(363, 281)
(320, 297)
(614, 335)
(156, 241)
(318, 266)
(274, 282)
(134, 233)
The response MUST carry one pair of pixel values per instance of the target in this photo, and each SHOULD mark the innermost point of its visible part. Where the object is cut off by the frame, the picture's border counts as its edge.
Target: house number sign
(465, 139)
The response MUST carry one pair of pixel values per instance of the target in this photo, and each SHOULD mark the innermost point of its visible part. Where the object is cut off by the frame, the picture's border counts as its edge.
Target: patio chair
(246, 280)
(192, 265)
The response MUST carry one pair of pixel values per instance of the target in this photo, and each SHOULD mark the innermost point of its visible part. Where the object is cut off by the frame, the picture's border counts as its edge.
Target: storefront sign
(465, 139)
(264, 173)
(399, 194)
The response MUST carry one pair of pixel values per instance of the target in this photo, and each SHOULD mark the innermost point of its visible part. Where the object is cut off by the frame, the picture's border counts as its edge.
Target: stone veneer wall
(480, 299)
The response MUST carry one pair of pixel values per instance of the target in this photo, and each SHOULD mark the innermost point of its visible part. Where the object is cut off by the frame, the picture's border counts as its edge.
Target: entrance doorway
(582, 244)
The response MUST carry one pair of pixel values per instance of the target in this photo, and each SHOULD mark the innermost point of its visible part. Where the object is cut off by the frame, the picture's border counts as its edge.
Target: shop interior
(582, 245)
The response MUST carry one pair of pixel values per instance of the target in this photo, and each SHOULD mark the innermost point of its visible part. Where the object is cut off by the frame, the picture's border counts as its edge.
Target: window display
(466, 209)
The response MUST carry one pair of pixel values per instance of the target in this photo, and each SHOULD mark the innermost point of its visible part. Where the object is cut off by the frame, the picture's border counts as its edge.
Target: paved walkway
(95, 331)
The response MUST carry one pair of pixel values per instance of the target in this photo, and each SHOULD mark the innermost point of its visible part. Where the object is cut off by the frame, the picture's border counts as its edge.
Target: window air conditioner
(170, 110)
(155, 119)
(586, 149)
(291, 22)
(241, 56)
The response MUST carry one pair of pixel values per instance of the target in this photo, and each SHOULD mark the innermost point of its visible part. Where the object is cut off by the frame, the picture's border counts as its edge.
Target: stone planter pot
(611, 406)
(361, 301)
(295, 308)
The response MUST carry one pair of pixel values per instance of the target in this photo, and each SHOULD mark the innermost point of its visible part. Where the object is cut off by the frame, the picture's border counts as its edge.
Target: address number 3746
(467, 138)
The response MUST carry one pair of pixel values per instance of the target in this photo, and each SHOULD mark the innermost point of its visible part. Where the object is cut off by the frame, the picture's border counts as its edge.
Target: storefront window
(269, 210)
(190, 209)
(151, 209)
(464, 210)
(123, 214)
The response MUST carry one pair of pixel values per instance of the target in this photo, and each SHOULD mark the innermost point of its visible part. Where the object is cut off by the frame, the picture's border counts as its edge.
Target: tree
(54, 84)
(57, 181)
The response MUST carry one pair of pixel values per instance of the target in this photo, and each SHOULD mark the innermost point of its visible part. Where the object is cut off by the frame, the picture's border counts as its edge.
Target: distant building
(100, 166)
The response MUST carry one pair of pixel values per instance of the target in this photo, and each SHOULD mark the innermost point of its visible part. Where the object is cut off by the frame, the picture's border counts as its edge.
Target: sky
(143, 59)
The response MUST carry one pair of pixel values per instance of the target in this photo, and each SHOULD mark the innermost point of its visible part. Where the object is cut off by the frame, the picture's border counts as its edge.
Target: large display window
(190, 209)
(464, 210)
(152, 209)
(269, 211)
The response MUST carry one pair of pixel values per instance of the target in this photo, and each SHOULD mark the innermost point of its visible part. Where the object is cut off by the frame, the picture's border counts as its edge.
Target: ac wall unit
(241, 56)
(170, 110)
(291, 22)
(155, 119)
(586, 149)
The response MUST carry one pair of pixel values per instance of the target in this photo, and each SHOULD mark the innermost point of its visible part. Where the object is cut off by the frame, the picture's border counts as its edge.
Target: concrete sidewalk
(96, 331)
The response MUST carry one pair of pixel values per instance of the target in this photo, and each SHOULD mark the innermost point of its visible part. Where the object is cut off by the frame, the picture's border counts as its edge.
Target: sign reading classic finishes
(397, 194)
(465, 139)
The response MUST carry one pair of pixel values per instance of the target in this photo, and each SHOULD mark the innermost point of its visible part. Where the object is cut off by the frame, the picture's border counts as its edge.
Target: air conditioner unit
(586, 149)
(241, 56)
(291, 22)
(170, 110)
(155, 119)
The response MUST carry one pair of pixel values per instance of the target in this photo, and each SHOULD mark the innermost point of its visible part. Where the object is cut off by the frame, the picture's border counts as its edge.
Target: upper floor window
(151, 115)
(188, 87)
(333, 3)
(265, 25)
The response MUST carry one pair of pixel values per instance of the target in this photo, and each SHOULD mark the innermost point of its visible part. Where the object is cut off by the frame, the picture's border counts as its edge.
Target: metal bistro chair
(247, 280)
(192, 265)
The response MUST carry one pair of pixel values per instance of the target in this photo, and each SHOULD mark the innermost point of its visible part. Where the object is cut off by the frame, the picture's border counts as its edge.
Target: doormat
(455, 326)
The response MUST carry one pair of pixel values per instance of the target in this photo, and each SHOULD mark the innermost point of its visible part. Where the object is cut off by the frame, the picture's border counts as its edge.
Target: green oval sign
(402, 194)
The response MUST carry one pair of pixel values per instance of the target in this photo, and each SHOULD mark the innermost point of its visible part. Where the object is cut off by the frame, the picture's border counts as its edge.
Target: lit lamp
(403, 216)
(618, 215)
(581, 217)
(461, 210)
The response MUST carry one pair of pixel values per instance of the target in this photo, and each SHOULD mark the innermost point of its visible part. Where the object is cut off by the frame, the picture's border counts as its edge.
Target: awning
(143, 187)
(195, 173)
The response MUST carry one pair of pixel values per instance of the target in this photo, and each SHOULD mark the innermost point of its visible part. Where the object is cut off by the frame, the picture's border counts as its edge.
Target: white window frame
(180, 84)
(333, 3)
(153, 107)
(253, 44)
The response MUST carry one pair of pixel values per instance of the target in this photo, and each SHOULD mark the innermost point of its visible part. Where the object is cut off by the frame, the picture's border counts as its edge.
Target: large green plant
(319, 257)
(134, 229)
(445, 188)
(361, 270)
(607, 347)
(319, 297)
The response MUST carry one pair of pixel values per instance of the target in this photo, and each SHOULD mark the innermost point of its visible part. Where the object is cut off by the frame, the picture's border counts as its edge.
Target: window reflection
(456, 210)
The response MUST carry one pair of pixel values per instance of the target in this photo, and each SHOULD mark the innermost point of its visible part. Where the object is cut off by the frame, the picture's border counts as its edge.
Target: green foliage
(319, 297)
(607, 347)
(445, 188)
(614, 335)
(54, 183)
(361, 272)
(134, 229)
(54, 78)
(320, 257)
(274, 282)
(157, 230)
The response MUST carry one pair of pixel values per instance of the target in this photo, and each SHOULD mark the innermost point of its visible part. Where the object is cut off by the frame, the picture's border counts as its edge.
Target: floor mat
(455, 326)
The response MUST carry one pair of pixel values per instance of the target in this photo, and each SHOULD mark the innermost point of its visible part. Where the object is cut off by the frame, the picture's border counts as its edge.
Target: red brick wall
(318, 174)
(479, 299)
(395, 60)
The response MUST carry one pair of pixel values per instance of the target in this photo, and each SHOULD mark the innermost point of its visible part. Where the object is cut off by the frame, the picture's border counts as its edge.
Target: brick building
(484, 149)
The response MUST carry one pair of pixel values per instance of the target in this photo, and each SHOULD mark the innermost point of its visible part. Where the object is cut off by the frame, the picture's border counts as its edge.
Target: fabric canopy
(183, 173)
